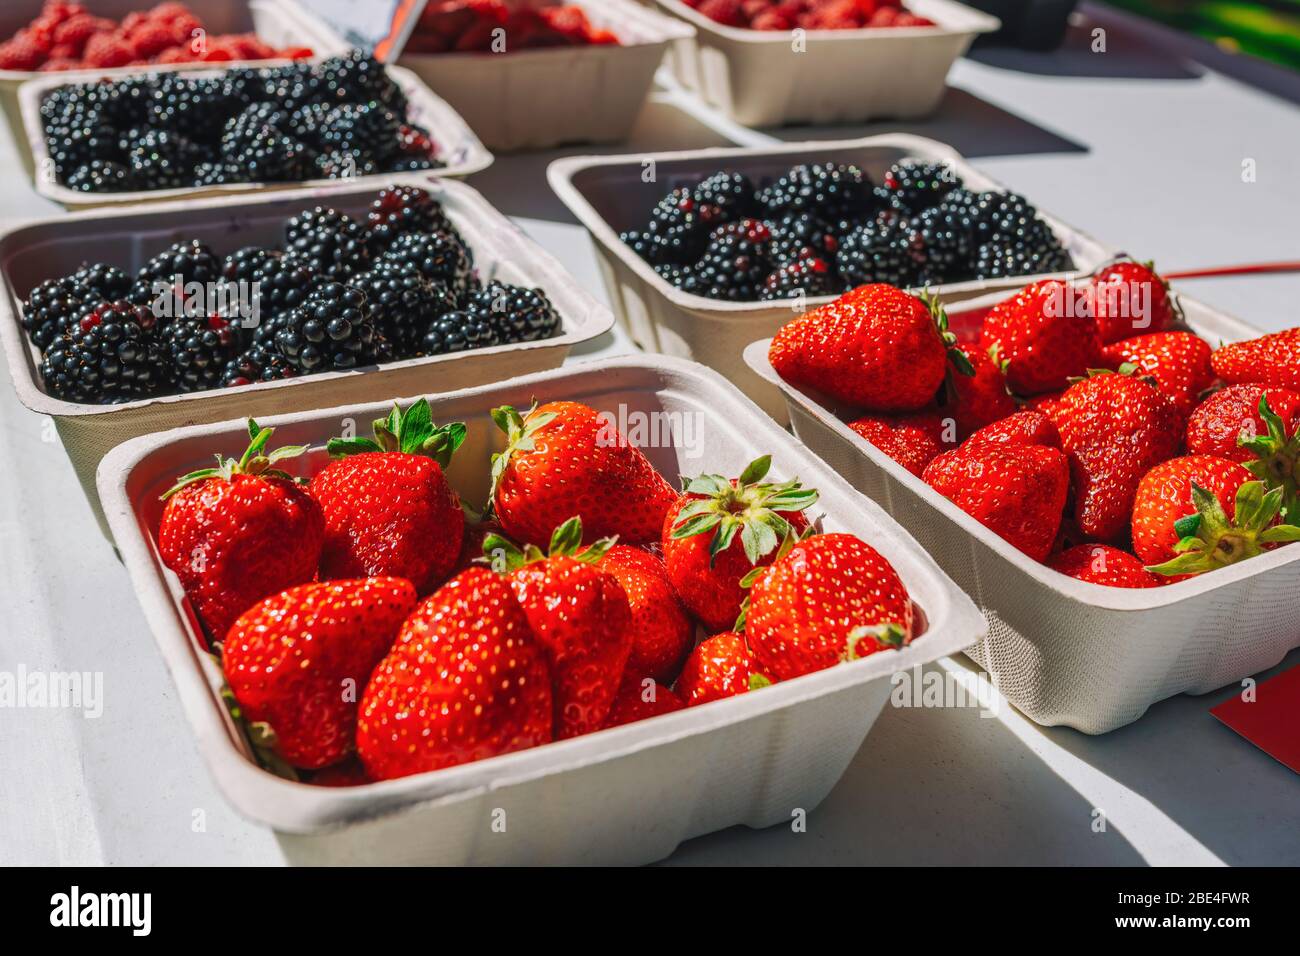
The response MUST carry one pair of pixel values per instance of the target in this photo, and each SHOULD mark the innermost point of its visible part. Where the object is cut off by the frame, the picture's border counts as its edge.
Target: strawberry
(828, 598)
(297, 661)
(910, 444)
(876, 348)
(349, 773)
(1128, 299)
(1268, 360)
(240, 532)
(1267, 443)
(563, 458)
(1028, 427)
(1178, 361)
(721, 666)
(1114, 427)
(1045, 334)
(1102, 564)
(580, 616)
(388, 508)
(1198, 513)
(662, 632)
(465, 680)
(1016, 491)
(980, 399)
(720, 529)
(639, 698)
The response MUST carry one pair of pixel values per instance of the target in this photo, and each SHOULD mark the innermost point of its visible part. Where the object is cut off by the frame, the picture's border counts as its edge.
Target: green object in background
(1268, 30)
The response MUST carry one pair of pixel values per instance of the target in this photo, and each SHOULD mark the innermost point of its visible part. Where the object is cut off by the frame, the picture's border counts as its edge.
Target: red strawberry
(299, 660)
(239, 532)
(1178, 361)
(1269, 360)
(720, 529)
(977, 400)
(1028, 427)
(387, 504)
(829, 598)
(465, 680)
(662, 631)
(639, 698)
(1016, 491)
(1220, 423)
(1199, 513)
(910, 444)
(580, 616)
(564, 458)
(1045, 334)
(1114, 427)
(721, 666)
(1102, 564)
(1128, 299)
(471, 544)
(876, 348)
(349, 773)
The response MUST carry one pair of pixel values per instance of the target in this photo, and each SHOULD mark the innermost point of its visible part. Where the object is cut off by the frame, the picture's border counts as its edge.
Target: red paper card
(1272, 720)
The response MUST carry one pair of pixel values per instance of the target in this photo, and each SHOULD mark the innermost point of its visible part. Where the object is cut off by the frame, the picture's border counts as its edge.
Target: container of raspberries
(641, 693)
(783, 62)
(124, 322)
(120, 37)
(516, 72)
(158, 136)
(722, 246)
(1112, 483)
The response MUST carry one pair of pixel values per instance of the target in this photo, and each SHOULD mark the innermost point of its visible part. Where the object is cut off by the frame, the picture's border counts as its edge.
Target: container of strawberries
(704, 251)
(125, 322)
(782, 62)
(1108, 468)
(593, 668)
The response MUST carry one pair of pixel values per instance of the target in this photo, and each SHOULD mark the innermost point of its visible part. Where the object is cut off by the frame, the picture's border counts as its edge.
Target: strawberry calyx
(759, 681)
(956, 357)
(261, 738)
(566, 541)
(1278, 461)
(255, 461)
(410, 432)
(748, 506)
(889, 635)
(1209, 540)
(747, 582)
(520, 433)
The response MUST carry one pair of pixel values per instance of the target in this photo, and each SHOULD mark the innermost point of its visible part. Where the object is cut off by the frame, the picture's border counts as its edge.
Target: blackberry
(289, 87)
(810, 277)
(733, 193)
(658, 250)
(85, 141)
(246, 129)
(198, 349)
(282, 283)
(913, 185)
(344, 164)
(358, 77)
(515, 313)
(100, 176)
(416, 149)
(684, 223)
(828, 190)
(799, 235)
(736, 263)
(189, 107)
(162, 159)
(243, 264)
(440, 257)
(679, 277)
(878, 251)
(996, 260)
(185, 262)
(943, 242)
(218, 173)
(274, 158)
(126, 101)
(331, 330)
(1014, 239)
(403, 304)
(257, 363)
(401, 209)
(305, 122)
(50, 310)
(459, 331)
(412, 164)
(328, 241)
(110, 354)
(356, 126)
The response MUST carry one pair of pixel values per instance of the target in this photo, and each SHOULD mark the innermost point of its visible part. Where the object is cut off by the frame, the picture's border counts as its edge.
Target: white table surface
(1140, 146)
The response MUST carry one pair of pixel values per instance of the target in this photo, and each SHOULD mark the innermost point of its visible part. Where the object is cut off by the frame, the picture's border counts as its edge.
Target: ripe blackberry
(289, 87)
(198, 349)
(913, 185)
(459, 331)
(274, 158)
(280, 284)
(440, 257)
(257, 363)
(185, 262)
(402, 304)
(218, 173)
(358, 77)
(328, 241)
(658, 250)
(305, 122)
(679, 277)
(126, 101)
(800, 235)
(736, 263)
(878, 251)
(356, 126)
(190, 107)
(109, 355)
(344, 164)
(162, 159)
(247, 127)
(100, 281)
(100, 176)
(811, 278)
(416, 149)
(733, 193)
(401, 209)
(938, 237)
(83, 141)
(50, 310)
(827, 190)
(684, 223)
(242, 264)
(516, 313)
(1021, 257)
(331, 330)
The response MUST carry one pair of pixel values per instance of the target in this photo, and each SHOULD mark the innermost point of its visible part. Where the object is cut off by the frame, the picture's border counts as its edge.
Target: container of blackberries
(160, 135)
(703, 251)
(121, 322)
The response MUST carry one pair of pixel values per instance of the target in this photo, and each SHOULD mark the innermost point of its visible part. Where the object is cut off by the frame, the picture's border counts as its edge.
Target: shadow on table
(933, 786)
(1232, 797)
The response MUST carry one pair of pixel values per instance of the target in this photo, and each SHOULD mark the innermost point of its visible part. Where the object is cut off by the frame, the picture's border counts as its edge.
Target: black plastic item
(1028, 24)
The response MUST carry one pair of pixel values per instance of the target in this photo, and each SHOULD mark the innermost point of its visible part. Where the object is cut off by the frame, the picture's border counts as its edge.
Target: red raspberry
(771, 20)
(59, 64)
(729, 13)
(293, 52)
(175, 54)
(108, 50)
(20, 54)
(150, 38)
(75, 31)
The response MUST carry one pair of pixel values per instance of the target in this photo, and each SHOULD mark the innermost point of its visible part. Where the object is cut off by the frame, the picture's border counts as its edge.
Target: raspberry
(108, 50)
(20, 53)
(77, 30)
(150, 39)
(727, 12)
